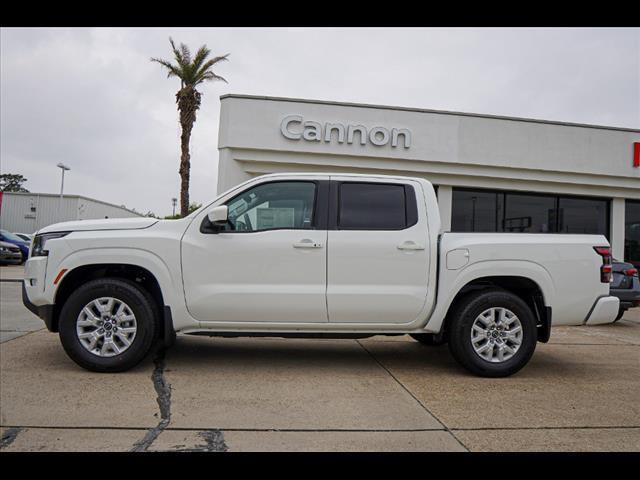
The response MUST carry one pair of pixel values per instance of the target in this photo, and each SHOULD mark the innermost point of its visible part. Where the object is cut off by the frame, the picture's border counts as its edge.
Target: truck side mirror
(218, 215)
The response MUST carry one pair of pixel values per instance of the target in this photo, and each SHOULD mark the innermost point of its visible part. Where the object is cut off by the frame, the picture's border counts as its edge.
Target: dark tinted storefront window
(499, 211)
(632, 232)
(529, 213)
(476, 211)
(583, 215)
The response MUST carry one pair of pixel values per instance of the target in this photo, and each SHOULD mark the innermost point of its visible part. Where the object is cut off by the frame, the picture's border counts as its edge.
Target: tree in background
(192, 208)
(191, 72)
(12, 182)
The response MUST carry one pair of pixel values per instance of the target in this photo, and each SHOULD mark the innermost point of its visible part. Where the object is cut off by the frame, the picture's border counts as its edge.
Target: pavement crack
(424, 407)
(162, 387)
(9, 436)
(214, 440)
(163, 390)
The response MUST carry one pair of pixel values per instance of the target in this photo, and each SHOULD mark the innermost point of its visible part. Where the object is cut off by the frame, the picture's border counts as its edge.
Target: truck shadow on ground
(338, 356)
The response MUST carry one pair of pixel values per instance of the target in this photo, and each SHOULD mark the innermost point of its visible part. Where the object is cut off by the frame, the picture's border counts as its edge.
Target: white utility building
(492, 173)
(29, 212)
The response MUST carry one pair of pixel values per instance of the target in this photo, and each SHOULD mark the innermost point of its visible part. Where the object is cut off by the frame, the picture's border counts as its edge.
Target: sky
(92, 99)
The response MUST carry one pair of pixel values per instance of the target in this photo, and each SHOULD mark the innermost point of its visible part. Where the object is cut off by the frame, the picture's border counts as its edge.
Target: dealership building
(491, 173)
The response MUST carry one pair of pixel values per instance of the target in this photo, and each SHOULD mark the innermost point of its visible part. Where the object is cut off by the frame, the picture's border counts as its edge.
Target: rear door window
(372, 206)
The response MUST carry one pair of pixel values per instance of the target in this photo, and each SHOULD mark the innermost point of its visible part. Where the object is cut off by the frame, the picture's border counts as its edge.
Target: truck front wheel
(492, 333)
(108, 325)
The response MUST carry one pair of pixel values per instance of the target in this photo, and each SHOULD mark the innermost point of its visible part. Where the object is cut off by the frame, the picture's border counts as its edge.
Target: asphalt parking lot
(580, 392)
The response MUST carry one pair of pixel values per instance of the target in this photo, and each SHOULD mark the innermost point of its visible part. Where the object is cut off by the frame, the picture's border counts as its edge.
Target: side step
(335, 336)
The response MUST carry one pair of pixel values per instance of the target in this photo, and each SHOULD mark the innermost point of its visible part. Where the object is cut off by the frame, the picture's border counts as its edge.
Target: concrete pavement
(15, 319)
(579, 393)
(12, 272)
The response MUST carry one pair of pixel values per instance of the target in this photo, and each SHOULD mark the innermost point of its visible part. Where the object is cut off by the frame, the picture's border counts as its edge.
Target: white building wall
(29, 212)
(445, 203)
(92, 209)
(446, 148)
(617, 227)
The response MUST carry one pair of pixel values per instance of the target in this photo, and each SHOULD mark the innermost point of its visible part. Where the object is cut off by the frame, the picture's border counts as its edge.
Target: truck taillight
(606, 268)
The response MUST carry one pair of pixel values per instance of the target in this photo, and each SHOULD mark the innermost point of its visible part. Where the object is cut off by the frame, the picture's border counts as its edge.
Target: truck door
(268, 264)
(378, 251)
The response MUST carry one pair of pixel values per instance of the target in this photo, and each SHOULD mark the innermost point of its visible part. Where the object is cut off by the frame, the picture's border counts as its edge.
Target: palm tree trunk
(188, 100)
(185, 167)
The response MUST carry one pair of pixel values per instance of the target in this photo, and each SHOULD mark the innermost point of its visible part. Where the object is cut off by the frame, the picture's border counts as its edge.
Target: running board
(334, 336)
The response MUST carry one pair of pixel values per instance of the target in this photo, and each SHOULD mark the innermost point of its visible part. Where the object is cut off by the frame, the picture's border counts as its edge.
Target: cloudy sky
(92, 99)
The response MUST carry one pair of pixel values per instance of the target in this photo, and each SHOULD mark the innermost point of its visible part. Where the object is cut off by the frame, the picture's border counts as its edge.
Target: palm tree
(191, 72)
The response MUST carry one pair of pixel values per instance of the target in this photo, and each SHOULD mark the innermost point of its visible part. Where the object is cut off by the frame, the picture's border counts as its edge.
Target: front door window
(272, 206)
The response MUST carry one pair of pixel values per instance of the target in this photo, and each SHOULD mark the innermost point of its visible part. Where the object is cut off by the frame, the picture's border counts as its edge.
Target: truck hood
(104, 224)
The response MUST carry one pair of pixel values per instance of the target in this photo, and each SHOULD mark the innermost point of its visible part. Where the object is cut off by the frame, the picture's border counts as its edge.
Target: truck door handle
(410, 245)
(307, 243)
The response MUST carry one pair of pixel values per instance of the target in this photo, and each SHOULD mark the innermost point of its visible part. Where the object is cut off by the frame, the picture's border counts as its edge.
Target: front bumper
(45, 312)
(605, 310)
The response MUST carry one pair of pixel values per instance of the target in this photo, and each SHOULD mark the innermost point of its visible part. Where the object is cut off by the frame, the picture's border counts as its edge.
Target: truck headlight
(38, 248)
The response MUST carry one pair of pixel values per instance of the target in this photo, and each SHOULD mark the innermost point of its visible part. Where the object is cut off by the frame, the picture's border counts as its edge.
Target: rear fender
(451, 282)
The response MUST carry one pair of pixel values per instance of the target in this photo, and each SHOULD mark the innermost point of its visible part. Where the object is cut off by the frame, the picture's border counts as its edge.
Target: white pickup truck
(313, 255)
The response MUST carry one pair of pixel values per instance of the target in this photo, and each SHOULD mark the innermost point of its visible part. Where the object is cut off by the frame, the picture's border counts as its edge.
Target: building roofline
(75, 196)
(426, 110)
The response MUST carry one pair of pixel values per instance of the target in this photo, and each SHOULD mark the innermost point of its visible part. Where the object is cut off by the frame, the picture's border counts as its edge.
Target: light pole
(63, 167)
(174, 202)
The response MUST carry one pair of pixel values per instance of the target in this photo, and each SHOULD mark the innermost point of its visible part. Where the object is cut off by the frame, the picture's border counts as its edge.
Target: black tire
(465, 313)
(621, 313)
(141, 303)
(430, 339)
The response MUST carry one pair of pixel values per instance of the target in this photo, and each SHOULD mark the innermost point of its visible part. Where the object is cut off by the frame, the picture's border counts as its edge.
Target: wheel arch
(518, 276)
(132, 272)
(523, 287)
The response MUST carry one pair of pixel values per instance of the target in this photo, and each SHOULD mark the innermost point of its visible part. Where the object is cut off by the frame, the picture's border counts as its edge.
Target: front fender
(169, 280)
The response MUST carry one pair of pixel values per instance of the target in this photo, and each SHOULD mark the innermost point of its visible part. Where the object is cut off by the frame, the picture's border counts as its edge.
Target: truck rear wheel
(108, 325)
(492, 333)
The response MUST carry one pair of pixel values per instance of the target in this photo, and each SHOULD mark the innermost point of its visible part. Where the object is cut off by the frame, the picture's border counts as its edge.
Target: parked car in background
(626, 286)
(25, 236)
(10, 253)
(6, 236)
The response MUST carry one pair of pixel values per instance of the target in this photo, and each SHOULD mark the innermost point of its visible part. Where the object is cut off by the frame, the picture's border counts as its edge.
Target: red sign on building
(636, 154)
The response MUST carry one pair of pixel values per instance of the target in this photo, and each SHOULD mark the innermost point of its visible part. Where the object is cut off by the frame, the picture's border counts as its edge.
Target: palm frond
(204, 68)
(176, 52)
(209, 75)
(219, 59)
(173, 70)
(186, 53)
(201, 56)
(191, 71)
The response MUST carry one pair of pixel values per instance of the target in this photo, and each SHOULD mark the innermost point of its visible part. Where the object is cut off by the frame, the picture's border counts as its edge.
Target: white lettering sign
(294, 127)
